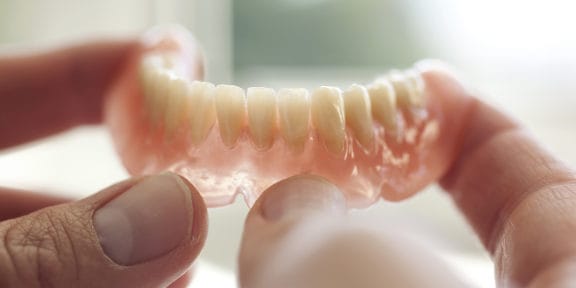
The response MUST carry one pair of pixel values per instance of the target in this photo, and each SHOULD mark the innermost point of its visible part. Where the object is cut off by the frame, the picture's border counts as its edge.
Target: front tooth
(409, 89)
(358, 114)
(230, 102)
(294, 110)
(327, 109)
(383, 102)
(261, 116)
(176, 102)
(201, 110)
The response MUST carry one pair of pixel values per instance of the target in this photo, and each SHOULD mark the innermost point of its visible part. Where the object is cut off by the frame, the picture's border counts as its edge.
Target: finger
(182, 282)
(16, 203)
(143, 232)
(518, 197)
(297, 235)
(44, 93)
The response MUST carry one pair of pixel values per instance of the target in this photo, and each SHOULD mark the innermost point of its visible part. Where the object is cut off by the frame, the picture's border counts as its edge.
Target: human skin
(518, 197)
(49, 241)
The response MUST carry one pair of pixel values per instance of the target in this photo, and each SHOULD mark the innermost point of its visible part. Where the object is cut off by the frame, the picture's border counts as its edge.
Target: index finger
(47, 92)
(517, 196)
(15, 203)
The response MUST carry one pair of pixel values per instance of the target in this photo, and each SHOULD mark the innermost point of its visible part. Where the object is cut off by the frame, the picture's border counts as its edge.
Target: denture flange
(227, 140)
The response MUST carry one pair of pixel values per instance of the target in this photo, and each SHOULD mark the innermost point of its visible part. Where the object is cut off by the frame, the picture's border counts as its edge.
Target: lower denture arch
(378, 140)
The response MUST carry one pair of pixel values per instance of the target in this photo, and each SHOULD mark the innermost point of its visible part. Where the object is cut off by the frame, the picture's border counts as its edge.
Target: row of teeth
(175, 101)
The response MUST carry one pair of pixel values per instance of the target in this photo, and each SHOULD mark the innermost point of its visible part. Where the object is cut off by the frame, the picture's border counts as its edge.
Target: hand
(143, 232)
(520, 200)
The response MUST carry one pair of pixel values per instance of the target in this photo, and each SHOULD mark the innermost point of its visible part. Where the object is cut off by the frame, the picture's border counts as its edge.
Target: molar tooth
(383, 102)
(230, 102)
(261, 116)
(201, 110)
(294, 116)
(358, 114)
(409, 89)
(418, 86)
(327, 110)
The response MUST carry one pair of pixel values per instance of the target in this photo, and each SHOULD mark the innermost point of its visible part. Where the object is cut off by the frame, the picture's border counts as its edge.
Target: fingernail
(301, 195)
(146, 221)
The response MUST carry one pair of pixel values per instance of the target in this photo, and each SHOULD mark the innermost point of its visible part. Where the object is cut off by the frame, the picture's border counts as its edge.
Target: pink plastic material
(399, 166)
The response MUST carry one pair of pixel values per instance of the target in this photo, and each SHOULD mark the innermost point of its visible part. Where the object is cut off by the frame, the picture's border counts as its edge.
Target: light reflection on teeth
(173, 102)
(383, 98)
(417, 88)
(294, 116)
(261, 116)
(176, 102)
(327, 110)
(408, 87)
(358, 115)
(230, 102)
(201, 112)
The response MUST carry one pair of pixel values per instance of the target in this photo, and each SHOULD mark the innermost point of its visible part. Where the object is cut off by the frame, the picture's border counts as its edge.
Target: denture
(389, 138)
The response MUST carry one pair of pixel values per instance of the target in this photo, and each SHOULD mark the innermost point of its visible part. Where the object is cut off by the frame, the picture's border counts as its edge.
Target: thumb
(142, 232)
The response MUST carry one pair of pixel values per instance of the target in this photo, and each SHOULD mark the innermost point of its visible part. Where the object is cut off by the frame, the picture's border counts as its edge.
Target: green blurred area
(331, 33)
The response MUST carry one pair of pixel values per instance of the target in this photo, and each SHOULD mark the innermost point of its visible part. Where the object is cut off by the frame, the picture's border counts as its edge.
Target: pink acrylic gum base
(221, 173)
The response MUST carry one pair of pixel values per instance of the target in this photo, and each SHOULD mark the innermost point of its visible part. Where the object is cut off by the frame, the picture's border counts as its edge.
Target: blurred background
(519, 53)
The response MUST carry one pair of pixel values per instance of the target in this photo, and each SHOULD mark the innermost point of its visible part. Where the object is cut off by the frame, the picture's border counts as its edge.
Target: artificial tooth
(160, 84)
(201, 110)
(163, 61)
(294, 116)
(155, 82)
(383, 102)
(418, 87)
(176, 102)
(230, 102)
(327, 110)
(261, 116)
(358, 114)
(145, 80)
(409, 89)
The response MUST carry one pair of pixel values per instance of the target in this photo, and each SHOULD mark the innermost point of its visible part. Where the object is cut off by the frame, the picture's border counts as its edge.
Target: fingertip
(300, 195)
(280, 210)
(154, 225)
(143, 232)
(155, 216)
(446, 83)
(294, 237)
(497, 169)
(199, 218)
